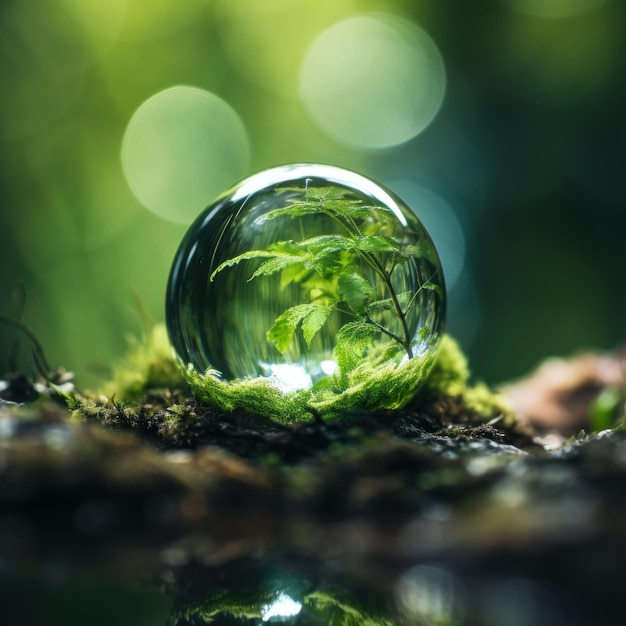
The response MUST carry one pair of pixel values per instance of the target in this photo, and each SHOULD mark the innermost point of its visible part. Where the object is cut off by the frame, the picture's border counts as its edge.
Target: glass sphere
(300, 274)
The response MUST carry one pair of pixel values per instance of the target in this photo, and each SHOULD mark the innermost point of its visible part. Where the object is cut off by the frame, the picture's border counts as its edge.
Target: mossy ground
(149, 394)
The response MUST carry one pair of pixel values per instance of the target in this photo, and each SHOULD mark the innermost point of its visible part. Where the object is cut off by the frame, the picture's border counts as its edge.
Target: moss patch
(253, 419)
(148, 365)
(374, 386)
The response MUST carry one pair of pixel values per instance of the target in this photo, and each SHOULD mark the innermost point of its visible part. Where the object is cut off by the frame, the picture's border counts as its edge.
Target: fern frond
(311, 316)
(353, 339)
(251, 254)
(314, 321)
(378, 243)
(278, 264)
(355, 291)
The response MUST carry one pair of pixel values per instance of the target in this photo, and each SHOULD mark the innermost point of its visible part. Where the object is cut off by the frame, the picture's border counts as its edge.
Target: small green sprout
(342, 273)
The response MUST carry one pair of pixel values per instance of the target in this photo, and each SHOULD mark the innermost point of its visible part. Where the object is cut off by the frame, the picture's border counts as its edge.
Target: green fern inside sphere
(302, 274)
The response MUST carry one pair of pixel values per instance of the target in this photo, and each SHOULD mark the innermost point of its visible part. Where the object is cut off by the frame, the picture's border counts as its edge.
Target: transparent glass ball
(300, 274)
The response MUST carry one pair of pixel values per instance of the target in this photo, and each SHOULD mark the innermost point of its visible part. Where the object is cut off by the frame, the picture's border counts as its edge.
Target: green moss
(375, 385)
(149, 364)
(336, 606)
(450, 378)
(344, 610)
(450, 373)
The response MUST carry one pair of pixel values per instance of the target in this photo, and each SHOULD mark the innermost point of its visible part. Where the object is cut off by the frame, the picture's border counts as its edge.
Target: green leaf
(365, 210)
(252, 254)
(294, 274)
(416, 249)
(320, 289)
(277, 264)
(353, 339)
(355, 290)
(312, 316)
(422, 249)
(330, 200)
(325, 251)
(380, 305)
(281, 332)
(287, 247)
(433, 287)
(314, 321)
(405, 300)
(324, 242)
(297, 209)
(377, 243)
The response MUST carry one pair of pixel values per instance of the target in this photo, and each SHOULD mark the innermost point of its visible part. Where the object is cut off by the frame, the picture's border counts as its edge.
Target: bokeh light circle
(182, 147)
(373, 81)
(554, 8)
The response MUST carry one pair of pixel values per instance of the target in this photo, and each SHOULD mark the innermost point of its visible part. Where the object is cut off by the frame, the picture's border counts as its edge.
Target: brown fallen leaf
(559, 394)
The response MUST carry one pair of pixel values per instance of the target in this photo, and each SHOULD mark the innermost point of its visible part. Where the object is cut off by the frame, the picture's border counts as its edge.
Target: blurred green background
(501, 122)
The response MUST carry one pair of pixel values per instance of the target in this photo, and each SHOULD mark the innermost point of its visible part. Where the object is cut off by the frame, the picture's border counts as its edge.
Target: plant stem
(405, 341)
(38, 354)
(385, 330)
